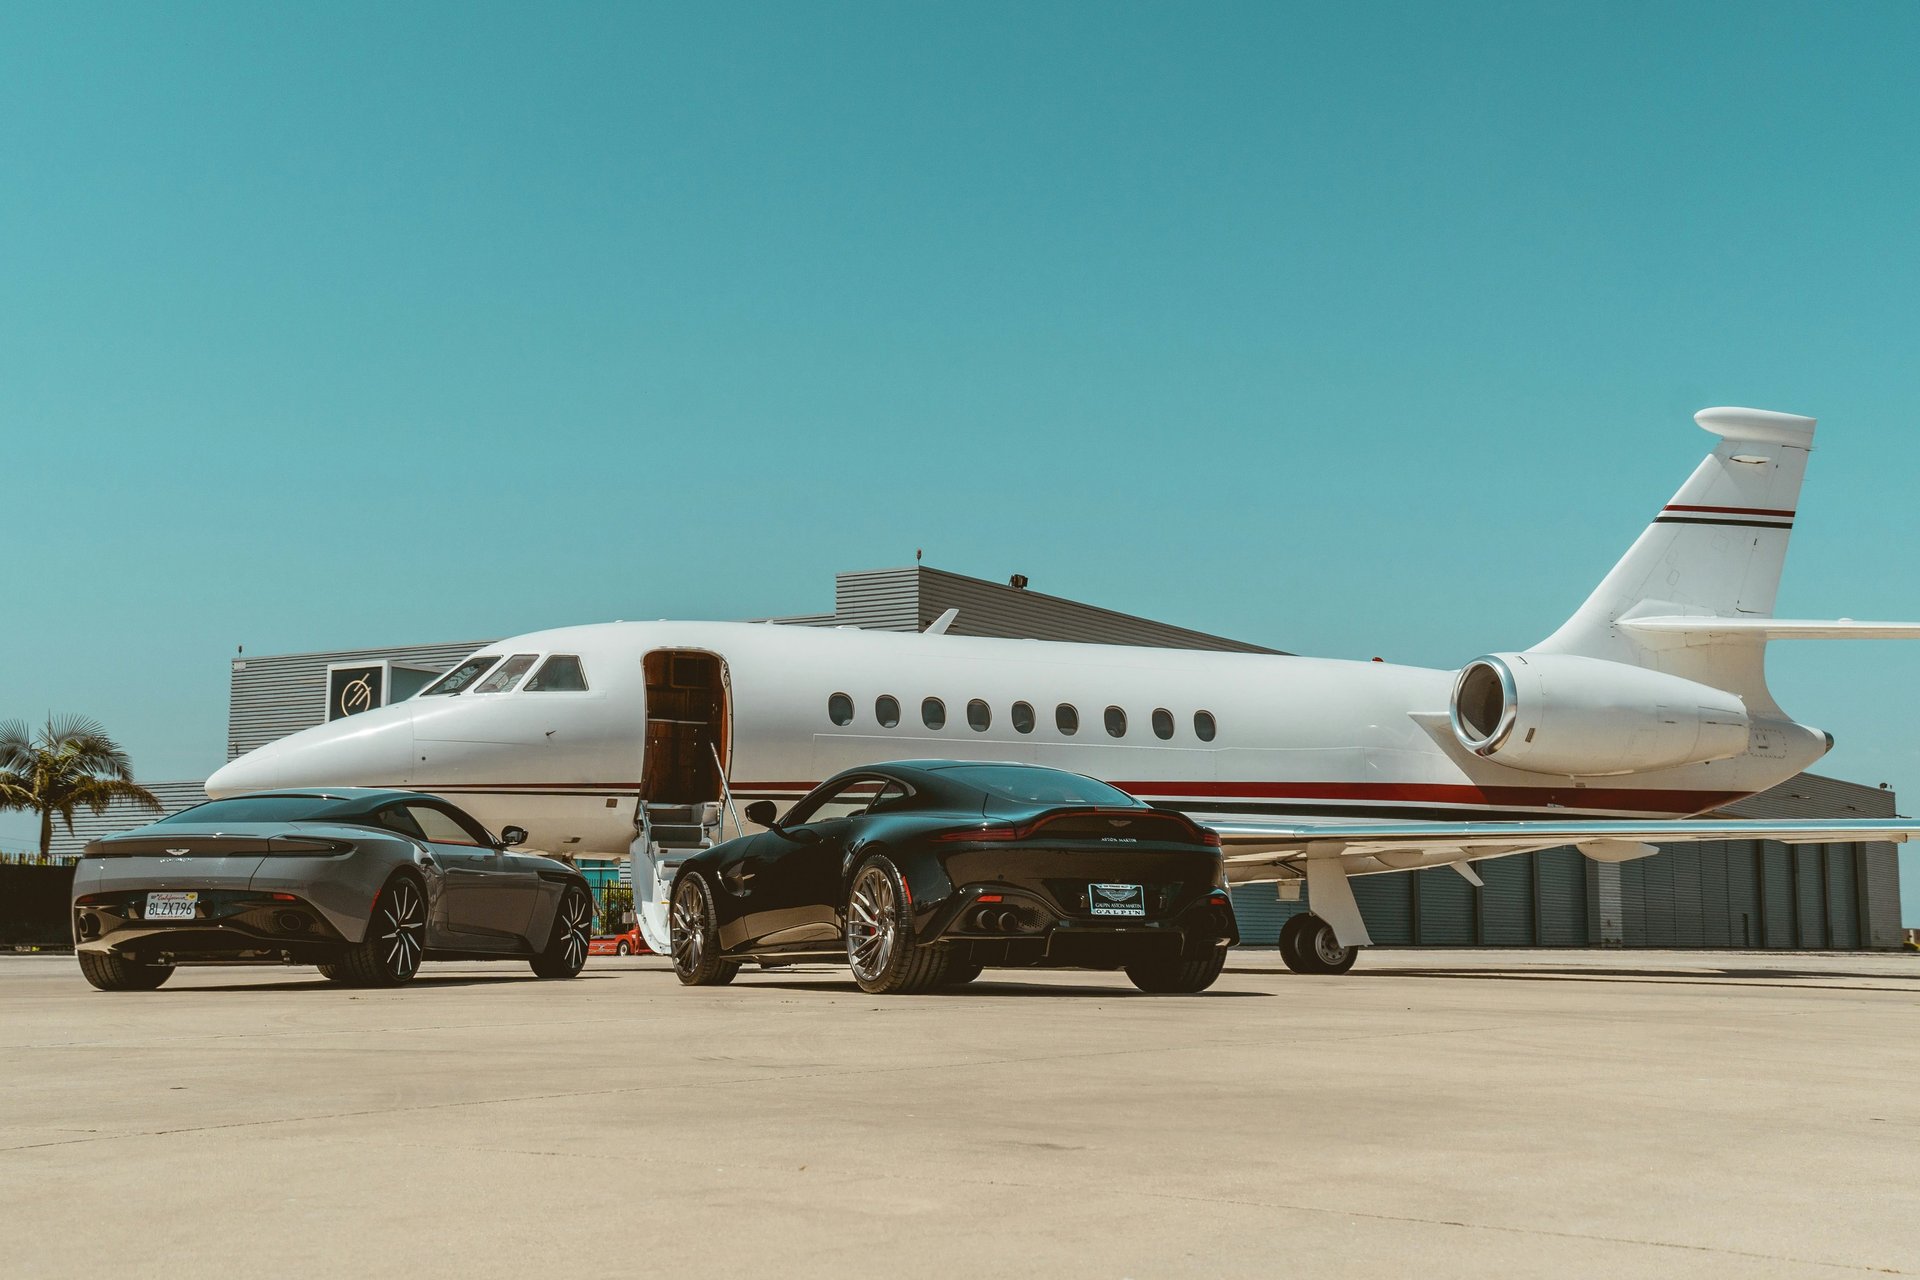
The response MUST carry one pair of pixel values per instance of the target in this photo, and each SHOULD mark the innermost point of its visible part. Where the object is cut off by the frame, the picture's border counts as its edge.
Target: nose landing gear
(1308, 945)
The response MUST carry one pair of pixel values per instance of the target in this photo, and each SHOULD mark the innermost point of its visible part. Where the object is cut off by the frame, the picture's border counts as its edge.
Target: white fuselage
(1293, 736)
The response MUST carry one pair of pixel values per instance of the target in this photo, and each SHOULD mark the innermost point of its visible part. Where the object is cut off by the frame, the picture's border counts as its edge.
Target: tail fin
(1714, 551)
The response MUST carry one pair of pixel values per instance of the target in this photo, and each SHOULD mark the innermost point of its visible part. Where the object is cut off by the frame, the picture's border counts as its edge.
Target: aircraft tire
(1322, 952)
(1291, 935)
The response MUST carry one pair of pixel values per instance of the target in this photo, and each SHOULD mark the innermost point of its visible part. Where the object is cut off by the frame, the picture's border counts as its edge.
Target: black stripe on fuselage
(1747, 524)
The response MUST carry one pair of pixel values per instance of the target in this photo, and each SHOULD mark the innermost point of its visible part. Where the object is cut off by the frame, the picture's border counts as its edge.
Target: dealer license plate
(171, 906)
(1117, 899)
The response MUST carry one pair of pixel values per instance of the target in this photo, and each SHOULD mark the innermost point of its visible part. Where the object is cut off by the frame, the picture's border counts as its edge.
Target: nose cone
(372, 749)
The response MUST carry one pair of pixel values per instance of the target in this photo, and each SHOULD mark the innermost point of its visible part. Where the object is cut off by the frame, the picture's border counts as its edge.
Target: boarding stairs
(668, 834)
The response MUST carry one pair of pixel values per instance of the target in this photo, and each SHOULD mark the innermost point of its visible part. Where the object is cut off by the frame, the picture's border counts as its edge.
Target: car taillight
(1210, 837)
(982, 833)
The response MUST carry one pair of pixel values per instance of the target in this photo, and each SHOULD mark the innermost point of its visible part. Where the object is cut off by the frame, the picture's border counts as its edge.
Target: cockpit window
(457, 680)
(507, 674)
(559, 674)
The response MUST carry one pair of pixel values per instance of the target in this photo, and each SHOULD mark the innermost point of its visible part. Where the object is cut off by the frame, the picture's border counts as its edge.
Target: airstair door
(683, 782)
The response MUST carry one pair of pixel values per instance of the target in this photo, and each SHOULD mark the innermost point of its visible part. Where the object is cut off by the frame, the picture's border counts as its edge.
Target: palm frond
(98, 793)
(16, 745)
(83, 742)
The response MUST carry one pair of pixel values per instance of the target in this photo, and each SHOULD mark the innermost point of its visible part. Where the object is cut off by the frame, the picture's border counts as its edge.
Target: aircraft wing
(1252, 844)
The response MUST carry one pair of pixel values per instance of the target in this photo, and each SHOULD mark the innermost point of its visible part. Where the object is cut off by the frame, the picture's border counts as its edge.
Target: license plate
(1117, 899)
(171, 906)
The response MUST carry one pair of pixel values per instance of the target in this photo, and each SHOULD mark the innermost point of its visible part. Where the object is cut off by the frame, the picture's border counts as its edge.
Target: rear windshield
(256, 809)
(1039, 786)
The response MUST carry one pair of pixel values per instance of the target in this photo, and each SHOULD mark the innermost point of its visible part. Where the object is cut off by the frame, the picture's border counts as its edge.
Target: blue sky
(1351, 329)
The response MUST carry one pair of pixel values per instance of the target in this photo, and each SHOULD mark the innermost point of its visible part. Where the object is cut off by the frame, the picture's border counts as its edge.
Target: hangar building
(1716, 894)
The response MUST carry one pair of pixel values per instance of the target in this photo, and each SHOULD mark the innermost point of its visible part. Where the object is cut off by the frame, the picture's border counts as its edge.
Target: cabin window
(1162, 723)
(1066, 719)
(840, 709)
(1116, 723)
(1203, 726)
(933, 713)
(559, 674)
(1023, 717)
(886, 709)
(507, 674)
(979, 716)
(457, 680)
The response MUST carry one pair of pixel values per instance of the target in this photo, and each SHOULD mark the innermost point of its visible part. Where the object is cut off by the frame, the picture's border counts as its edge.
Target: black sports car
(922, 873)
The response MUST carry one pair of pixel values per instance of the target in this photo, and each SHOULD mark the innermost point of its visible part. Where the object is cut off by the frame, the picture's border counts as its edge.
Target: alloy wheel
(873, 925)
(576, 919)
(689, 926)
(402, 926)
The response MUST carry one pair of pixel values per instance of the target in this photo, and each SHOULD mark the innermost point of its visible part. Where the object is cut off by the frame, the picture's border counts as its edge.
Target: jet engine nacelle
(1587, 717)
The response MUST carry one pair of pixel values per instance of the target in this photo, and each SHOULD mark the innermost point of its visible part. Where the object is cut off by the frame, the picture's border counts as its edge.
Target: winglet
(938, 627)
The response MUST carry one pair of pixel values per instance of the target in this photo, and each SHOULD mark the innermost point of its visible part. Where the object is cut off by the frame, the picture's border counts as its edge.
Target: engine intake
(1587, 717)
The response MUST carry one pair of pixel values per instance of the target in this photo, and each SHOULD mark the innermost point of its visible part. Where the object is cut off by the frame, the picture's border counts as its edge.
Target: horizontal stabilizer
(1705, 628)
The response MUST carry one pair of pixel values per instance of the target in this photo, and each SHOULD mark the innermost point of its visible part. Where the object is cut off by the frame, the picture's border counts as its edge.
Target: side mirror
(511, 836)
(764, 812)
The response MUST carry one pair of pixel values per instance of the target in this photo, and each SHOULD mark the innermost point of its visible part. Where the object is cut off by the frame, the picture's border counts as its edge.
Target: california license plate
(171, 906)
(1117, 899)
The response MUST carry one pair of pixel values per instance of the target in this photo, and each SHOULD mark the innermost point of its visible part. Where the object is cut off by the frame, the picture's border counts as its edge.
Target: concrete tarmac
(1433, 1113)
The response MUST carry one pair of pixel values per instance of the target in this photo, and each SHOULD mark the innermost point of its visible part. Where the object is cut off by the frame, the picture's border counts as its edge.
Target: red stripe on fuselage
(1633, 800)
(1730, 511)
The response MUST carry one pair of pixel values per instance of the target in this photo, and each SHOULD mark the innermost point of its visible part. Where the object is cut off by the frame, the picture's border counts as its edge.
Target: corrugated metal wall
(1735, 894)
(271, 697)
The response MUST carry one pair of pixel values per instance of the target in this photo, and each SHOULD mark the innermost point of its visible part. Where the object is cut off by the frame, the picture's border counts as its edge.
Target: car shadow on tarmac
(317, 983)
(998, 990)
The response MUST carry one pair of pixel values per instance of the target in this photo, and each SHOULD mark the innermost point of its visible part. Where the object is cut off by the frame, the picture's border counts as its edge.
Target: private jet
(1647, 708)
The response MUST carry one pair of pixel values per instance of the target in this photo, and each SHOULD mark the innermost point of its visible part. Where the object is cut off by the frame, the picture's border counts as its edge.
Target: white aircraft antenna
(938, 627)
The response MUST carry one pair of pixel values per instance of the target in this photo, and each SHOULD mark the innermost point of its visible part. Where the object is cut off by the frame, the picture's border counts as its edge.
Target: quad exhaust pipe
(997, 920)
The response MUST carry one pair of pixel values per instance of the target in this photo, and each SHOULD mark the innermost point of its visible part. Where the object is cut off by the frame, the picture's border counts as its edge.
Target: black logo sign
(351, 690)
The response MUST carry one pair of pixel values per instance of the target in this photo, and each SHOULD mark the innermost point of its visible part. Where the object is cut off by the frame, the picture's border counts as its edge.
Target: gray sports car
(364, 883)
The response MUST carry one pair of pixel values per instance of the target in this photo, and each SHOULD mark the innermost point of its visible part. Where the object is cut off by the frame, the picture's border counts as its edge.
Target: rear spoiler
(185, 846)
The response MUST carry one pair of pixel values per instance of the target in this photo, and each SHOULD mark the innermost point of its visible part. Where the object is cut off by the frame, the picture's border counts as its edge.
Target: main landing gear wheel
(566, 952)
(111, 971)
(696, 937)
(880, 948)
(1308, 945)
(396, 939)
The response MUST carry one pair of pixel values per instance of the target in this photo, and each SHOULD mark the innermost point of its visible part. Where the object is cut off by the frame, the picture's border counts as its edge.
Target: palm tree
(69, 764)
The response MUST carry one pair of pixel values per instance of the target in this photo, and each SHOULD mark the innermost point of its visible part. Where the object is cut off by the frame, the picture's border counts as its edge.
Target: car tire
(396, 939)
(1291, 951)
(694, 927)
(960, 972)
(111, 971)
(1183, 976)
(566, 951)
(880, 948)
(623, 949)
